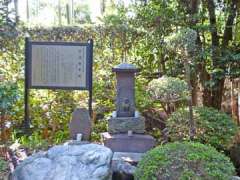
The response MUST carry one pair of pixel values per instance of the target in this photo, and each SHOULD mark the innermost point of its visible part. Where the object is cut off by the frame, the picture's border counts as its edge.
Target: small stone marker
(80, 124)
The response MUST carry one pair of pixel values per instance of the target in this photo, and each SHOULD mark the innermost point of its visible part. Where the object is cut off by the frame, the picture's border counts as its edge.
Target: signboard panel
(57, 65)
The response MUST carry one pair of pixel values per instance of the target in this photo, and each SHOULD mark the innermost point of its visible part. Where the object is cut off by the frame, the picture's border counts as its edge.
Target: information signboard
(57, 65)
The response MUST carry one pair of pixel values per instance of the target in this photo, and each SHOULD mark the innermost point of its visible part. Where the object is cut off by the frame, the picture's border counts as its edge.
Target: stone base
(137, 143)
(125, 162)
(122, 176)
(124, 165)
(125, 124)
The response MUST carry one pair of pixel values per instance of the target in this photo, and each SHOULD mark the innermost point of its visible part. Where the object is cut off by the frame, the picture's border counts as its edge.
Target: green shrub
(8, 95)
(182, 161)
(99, 127)
(3, 165)
(142, 98)
(168, 89)
(212, 127)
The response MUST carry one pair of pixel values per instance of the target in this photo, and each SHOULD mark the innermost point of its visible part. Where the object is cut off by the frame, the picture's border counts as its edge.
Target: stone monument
(125, 102)
(126, 126)
(80, 124)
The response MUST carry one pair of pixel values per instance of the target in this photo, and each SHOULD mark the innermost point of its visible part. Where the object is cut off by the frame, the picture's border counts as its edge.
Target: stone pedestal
(124, 124)
(124, 165)
(137, 143)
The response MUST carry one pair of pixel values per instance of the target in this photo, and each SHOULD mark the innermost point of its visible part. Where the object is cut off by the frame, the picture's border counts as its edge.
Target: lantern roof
(125, 67)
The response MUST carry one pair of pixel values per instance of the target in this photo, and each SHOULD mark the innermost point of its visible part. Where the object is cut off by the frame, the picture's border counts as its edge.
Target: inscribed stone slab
(80, 123)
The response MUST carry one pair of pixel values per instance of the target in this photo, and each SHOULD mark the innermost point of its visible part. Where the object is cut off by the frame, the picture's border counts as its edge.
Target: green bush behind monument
(212, 127)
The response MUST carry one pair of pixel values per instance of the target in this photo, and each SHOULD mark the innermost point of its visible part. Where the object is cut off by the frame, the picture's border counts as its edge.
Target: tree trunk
(68, 14)
(162, 66)
(204, 75)
(194, 85)
(192, 128)
(217, 93)
(2, 126)
(217, 51)
(228, 32)
(227, 37)
(193, 11)
(234, 102)
(59, 13)
(37, 8)
(103, 6)
(217, 89)
(206, 91)
(28, 12)
(238, 107)
(16, 11)
(72, 12)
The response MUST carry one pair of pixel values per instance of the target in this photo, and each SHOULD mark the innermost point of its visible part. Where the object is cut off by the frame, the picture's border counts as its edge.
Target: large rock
(67, 162)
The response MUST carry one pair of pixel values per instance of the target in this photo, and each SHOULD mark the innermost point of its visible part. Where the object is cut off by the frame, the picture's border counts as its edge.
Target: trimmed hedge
(182, 161)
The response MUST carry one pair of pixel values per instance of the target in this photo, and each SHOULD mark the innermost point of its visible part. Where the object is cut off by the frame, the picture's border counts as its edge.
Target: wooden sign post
(57, 65)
